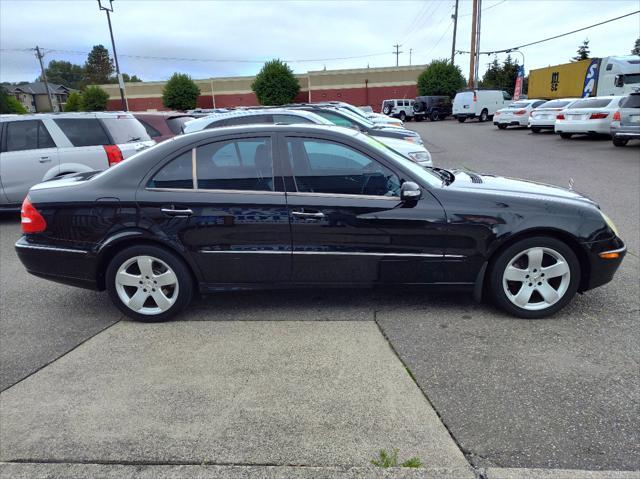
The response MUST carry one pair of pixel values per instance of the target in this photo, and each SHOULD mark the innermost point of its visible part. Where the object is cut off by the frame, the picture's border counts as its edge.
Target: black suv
(432, 107)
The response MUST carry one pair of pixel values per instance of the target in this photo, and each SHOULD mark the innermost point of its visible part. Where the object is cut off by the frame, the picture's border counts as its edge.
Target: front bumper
(75, 267)
(601, 270)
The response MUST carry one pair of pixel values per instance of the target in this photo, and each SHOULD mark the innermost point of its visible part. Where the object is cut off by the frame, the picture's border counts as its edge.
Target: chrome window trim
(50, 248)
(345, 195)
(204, 190)
(194, 168)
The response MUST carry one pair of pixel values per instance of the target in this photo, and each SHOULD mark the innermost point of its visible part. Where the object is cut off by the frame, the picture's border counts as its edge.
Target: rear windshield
(555, 104)
(125, 130)
(519, 104)
(592, 103)
(175, 124)
(632, 101)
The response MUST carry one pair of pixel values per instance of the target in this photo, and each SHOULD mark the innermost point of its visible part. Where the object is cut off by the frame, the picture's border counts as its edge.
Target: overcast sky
(299, 30)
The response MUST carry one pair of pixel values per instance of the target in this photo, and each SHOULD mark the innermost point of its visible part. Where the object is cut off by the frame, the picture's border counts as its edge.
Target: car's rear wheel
(620, 141)
(566, 136)
(484, 115)
(434, 116)
(462, 119)
(149, 283)
(535, 129)
(535, 277)
(502, 126)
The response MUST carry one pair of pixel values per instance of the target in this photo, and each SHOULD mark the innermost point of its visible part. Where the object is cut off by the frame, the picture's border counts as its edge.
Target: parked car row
(40, 147)
(615, 116)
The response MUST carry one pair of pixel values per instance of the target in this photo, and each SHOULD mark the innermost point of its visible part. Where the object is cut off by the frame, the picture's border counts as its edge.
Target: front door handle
(176, 212)
(44, 159)
(318, 215)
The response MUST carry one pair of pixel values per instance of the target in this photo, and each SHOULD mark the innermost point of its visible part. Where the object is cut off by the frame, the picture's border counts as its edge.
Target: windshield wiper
(137, 138)
(445, 175)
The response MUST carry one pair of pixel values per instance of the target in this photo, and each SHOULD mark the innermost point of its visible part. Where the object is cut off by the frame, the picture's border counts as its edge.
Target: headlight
(610, 223)
(420, 156)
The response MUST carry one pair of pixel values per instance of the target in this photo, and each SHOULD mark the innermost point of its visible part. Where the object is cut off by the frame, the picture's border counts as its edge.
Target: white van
(480, 104)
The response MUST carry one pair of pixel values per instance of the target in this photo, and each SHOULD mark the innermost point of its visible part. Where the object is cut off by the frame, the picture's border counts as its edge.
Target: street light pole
(109, 10)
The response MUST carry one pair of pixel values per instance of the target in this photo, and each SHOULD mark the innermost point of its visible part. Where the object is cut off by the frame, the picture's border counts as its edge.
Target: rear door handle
(176, 212)
(318, 215)
(44, 159)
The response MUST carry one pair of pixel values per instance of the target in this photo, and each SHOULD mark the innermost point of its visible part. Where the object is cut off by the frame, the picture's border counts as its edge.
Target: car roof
(74, 115)
(270, 128)
(206, 120)
(167, 114)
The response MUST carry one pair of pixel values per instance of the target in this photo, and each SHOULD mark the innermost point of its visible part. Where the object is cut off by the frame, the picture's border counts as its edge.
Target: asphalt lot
(562, 392)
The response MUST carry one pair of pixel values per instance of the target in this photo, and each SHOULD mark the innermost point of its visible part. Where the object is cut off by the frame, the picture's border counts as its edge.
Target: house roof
(38, 88)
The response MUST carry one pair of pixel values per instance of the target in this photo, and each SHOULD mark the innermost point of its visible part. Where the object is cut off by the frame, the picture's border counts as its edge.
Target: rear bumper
(71, 266)
(626, 132)
(602, 270)
(509, 122)
(583, 126)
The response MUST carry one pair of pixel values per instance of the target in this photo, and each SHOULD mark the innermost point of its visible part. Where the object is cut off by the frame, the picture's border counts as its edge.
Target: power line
(507, 50)
(485, 9)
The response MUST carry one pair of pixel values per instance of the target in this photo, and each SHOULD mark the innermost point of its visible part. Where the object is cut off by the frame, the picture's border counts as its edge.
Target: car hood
(514, 187)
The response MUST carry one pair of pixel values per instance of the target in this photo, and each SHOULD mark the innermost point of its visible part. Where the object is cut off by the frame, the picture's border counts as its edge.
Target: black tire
(386, 110)
(566, 136)
(484, 115)
(502, 126)
(434, 116)
(501, 261)
(620, 141)
(403, 116)
(180, 269)
(462, 119)
(535, 129)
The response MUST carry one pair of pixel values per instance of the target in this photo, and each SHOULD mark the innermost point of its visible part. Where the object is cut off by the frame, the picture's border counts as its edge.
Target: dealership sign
(591, 78)
(517, 91)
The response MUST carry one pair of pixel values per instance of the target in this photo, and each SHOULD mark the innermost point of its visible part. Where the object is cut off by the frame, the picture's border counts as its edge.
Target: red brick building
(363, 86)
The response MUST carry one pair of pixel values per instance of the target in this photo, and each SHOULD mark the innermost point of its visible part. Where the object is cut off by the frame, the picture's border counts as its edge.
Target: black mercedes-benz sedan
(308, 205)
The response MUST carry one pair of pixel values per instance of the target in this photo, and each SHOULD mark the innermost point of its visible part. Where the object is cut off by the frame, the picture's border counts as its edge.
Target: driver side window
(321, 166)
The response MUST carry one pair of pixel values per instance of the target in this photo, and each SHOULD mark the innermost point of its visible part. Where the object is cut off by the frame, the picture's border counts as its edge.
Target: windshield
(356, 111)
(592, 103)
(125, 130)
(176, 123)
(555, 104)
(361, 120)
(424, 174)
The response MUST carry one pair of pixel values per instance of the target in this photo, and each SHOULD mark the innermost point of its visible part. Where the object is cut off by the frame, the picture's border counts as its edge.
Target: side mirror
(618, 81)
(410, 191)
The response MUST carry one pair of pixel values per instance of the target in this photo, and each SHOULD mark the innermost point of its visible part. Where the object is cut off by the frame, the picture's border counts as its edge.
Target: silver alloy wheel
(147, 285)
(536, 278)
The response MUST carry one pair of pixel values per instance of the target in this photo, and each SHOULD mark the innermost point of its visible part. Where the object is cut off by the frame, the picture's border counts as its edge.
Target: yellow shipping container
(559, 81)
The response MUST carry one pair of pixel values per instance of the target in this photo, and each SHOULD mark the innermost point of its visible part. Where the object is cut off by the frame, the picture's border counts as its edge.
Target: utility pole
(477, 62)
(410, 51)
(397, 53)
(44, 77)
(455, 30)
(109, 10)
(472, 56)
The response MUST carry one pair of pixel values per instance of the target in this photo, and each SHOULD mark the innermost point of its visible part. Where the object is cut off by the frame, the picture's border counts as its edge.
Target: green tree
(583, 51)
(74, 102)
(10, 104)
(65, 73)
(99, 67)
(440, 78)
(126, 78)
(275, 84)
(180, 92)
(636, 48)
(502, 77)
(94, 99)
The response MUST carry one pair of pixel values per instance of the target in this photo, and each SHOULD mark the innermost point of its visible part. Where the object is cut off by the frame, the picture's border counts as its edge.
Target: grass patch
(390, 459)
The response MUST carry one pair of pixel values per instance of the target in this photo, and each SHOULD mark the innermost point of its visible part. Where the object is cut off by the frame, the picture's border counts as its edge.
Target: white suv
(402, 109)
(36, 148)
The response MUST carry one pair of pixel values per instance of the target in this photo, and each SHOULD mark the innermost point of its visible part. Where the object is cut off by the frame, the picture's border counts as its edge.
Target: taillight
(114, 155)
(32, 221)
(616, 116)
(559, 116)
(598, 116)
(520, 112)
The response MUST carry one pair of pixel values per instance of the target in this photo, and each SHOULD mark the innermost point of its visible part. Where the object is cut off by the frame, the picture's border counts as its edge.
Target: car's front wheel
(620, 141)
(535, 129)
(566, 136)
(484, 115)
(148, 283)
(403, 116)
(535, 277)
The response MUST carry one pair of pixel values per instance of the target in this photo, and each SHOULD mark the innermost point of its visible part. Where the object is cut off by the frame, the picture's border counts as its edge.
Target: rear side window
(178, 173)
(555, 104)
(176, 124)
(245, 164)
(83, 131)
(290, 119)
(27, 135)
(592, 103)
(125, 130)
(632, 101)
(248, 120)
